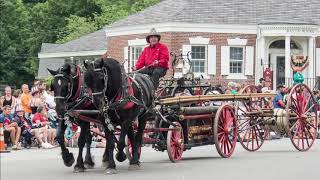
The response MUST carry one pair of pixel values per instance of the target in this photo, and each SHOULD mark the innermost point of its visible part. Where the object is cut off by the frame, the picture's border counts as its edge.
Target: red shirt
(38, 116)
(150, 54)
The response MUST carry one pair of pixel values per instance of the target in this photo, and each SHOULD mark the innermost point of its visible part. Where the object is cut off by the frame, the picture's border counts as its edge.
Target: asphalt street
(277, 159)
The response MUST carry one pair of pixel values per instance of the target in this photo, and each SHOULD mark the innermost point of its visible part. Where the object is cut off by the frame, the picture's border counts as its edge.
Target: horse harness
(70, 85)
(124, 96)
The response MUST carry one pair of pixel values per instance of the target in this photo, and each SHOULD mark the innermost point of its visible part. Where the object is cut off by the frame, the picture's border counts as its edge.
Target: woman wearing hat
(154, 58)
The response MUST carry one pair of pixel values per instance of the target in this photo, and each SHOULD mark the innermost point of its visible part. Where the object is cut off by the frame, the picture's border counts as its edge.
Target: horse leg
(79, 167)
(111, 165)
(68, 158)
(121, 156)
(105, 157)
(88, 162)
(135, 163)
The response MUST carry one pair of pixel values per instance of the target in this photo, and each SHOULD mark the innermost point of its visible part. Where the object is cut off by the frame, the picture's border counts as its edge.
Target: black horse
(111, 94)
(67, 88)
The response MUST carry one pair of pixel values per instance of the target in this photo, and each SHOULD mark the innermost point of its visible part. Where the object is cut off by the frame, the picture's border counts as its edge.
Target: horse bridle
(104, 71)
(70, 84)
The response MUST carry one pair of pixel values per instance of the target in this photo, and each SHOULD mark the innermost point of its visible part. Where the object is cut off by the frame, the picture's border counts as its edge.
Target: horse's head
(65, 85)
(96, 79)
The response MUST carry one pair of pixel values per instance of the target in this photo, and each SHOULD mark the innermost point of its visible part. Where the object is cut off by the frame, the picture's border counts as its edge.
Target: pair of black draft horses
(107, 81)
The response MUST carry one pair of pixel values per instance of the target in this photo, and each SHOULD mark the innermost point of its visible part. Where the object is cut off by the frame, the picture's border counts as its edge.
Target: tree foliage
(26, 24)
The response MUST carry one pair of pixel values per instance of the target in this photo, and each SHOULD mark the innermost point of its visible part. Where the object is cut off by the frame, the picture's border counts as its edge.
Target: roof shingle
(244, 12)
(90, 42)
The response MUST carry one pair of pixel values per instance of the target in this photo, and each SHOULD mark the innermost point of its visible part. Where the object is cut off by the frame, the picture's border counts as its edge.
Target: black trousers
(155, 73)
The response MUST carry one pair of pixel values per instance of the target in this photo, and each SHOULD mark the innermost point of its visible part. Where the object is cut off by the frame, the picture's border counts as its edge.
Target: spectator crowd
(29, 117)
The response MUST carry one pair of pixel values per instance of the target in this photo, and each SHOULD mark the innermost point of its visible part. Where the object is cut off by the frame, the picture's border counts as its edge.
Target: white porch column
(260, 50)
(288, 73)
(311, 45)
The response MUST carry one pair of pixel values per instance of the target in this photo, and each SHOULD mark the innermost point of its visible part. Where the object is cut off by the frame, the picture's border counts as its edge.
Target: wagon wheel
(251, 131)
(128, 149)
(301, 114)
(175, 143)
(225, 130)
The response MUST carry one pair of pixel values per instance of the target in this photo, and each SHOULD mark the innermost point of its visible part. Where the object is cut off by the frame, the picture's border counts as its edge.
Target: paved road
(277, 159)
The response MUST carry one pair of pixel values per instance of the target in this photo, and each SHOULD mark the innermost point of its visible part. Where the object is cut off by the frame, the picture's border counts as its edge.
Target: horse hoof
(89, 162)
(111, 171)
(88, 165)
(68, 160)
(134, 167)
(121, 156)
(78, 169)
(105, 164)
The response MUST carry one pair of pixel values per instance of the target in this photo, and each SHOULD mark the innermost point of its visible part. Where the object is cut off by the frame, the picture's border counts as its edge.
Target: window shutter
(318, 62)
(225, 60)
(249, 60)
(185, 50)
(126, 58)
(212, 59)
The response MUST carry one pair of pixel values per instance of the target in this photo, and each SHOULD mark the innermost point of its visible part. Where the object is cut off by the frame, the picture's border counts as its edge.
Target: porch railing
(313, 83)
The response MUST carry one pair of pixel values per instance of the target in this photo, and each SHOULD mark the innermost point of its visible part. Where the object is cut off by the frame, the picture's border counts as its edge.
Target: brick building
(232, 40)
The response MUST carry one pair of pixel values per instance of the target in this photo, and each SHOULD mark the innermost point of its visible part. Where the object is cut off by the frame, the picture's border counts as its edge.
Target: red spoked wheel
(251, 131)
(128, 149)
(175, 143)
(301, 113)
(225, 130)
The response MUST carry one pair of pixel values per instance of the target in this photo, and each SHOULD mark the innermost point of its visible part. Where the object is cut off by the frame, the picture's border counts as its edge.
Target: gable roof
(91, 42)
(244, 12)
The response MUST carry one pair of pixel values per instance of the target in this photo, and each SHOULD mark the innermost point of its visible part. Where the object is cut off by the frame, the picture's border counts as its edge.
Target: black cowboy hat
(153, 32)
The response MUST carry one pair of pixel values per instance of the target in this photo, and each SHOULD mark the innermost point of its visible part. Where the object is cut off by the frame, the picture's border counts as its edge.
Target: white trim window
(236, 60)
(135, 52)
(199, 56)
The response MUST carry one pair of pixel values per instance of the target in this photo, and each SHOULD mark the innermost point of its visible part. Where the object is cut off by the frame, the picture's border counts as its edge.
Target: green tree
(26, 24)
(14, 38)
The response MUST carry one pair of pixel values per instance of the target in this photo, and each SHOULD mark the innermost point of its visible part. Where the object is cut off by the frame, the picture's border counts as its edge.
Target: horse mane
(114, 72)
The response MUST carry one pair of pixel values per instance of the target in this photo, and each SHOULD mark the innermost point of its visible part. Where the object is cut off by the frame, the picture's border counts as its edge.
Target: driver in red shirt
(154, 59)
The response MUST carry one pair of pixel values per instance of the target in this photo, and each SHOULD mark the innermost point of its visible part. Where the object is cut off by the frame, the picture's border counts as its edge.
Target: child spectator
(10, 126)
(24, 125)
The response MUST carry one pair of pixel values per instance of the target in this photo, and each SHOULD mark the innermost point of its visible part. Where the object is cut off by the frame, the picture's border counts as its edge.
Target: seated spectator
(11, 127)
(26, 129)
(278, 101)
(40, 122)
(8, 99)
